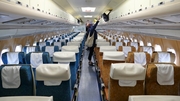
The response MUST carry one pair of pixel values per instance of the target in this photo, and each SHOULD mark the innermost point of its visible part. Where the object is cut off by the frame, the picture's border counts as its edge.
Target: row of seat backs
(129, 49)
(19, 57)
(69, 54)
(52, 80)
(115, 91)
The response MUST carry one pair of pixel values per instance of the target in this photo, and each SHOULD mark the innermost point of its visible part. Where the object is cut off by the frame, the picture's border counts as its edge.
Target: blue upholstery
(60, 92)
(26, 87)
(47, 43)
(37, 49)
(21, 57)
(73, 74)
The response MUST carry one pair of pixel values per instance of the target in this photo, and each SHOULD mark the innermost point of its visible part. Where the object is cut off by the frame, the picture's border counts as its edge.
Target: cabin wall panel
(38, 4)
(141, 5)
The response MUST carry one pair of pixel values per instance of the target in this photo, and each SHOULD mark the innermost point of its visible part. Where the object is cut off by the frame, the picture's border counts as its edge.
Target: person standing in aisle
(91, 49)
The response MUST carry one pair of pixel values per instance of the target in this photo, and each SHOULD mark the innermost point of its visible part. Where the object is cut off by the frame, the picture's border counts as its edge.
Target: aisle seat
(54, 80)
(126, 79)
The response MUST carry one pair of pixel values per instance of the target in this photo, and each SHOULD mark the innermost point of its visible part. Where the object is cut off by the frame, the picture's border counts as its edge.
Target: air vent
(19, 3)
(38, 9)
(161, 3)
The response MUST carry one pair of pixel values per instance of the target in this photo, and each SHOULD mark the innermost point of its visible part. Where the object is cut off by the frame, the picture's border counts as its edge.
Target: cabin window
(141, 43)
(45, 39)
(157, 48)
(173, 51)
(149, 44)
(18, 48)
(3, 51)
(135, 40)
(131, 39)
(35, 43)
(41, 40)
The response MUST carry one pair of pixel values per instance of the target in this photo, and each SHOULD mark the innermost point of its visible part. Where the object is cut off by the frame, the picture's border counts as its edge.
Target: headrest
(58, 44)
(102, 44)
(36, 59)
(53, 74)
(50, 50)
(64, 57)
(165, 74)
(10, 76)
(27, 98)
(30, 49)
(74, 44)
(107, 48)
(126, 49)
(70, 49)
(163, 57)
(135, 44)
(116, 55)
(77, 39)
(13, 57)
(100, 40)
(140, 58)
(118, 44)
(148, 49)
(127, 73)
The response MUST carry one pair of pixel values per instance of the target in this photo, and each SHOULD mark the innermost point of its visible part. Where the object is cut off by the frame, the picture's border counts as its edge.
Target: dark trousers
(91, 50)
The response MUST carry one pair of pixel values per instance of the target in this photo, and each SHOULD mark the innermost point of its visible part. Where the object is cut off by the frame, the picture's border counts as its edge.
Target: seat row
(68, 59)
(50, 80)
(108, 57)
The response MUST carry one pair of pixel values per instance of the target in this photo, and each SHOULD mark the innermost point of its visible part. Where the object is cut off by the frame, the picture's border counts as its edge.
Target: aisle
(88, 87)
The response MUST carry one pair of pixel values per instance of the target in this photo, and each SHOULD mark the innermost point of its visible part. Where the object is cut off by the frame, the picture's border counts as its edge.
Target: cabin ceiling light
(88, 16)
(88, 9)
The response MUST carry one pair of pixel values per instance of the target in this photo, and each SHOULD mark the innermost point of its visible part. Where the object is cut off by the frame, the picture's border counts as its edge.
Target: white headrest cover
(41, 44)
(73, 44)
(164, 57)
(148, 49)
(10, 76)
(50, 50)
(135, 44)
(118, 44)
(58, 44)
(126, 49)
(77, 39)
(127, 71)
(36, 59)
(102, 44)
(165, 74)
(140, 58)
(26, 98)
(13, 57)
(100, 40)
(107, 48)
(70, 49)
(64, 57)
(48, 72)
(30, 49)
(116, 55)
(53, 74)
